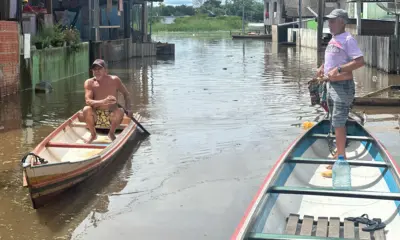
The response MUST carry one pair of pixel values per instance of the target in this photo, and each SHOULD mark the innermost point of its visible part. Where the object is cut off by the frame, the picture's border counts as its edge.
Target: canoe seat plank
(363, 235)
(334, 227)
(83, 125)
(335, 193)
(291, 225)
(355, 138)
(349, 231)
(332, 161)
(76, 145)
(307, 226)
(322, 227)
(380, 234)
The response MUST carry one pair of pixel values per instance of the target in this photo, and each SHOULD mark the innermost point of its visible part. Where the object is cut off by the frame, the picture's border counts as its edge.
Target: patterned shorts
(103, 119)
(340, 98)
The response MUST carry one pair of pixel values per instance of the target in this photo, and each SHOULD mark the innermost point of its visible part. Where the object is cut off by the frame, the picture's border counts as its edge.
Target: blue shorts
(340, 98)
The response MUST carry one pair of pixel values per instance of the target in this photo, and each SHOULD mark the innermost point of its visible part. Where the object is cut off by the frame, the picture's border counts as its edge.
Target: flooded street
(220, 113)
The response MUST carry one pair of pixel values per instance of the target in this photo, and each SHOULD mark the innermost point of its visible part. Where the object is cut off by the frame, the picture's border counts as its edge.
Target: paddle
(134, 120)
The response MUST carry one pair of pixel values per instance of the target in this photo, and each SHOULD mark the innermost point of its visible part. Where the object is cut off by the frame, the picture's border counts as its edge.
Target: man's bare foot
(91, 139)
(334, 157)
(111, 136)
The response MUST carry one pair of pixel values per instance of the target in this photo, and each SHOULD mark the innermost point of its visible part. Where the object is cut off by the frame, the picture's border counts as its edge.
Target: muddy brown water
(220, 113)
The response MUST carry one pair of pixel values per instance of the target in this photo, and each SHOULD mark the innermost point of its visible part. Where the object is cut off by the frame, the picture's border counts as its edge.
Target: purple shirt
(341, 49)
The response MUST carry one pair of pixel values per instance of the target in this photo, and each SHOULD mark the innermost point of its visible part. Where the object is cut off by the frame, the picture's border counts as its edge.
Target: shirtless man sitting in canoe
(101, 99)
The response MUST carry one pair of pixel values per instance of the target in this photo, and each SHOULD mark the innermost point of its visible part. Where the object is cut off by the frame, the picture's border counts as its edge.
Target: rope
(37, 158)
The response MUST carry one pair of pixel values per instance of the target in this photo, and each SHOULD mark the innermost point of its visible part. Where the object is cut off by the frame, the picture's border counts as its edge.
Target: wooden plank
(376, 101)
(307, 225)
(363, 163)
(349, 231)
(380, 234)
(334, 227)
(82, 124)
(291, 225)
(363, 235)
(264, 236)
(76, 145)
(322, 227)
(358, 138)
(334, 193)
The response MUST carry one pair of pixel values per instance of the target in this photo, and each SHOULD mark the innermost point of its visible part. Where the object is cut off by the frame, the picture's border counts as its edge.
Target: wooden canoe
(62, 159)
(249, 36)
(376, 98)
(296, 202)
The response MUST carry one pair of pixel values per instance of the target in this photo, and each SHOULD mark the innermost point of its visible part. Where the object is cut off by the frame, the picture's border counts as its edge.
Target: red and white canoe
(296, 201)
(62, 159)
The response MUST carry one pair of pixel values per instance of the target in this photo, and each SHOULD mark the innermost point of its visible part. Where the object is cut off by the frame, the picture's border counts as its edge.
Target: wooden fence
(381, 52)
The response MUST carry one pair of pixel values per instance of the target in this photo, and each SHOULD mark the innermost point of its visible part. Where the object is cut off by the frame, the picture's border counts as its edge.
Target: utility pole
(90, 7)
(243, 18)
(300, 23)
(300, 26)
(321, 12)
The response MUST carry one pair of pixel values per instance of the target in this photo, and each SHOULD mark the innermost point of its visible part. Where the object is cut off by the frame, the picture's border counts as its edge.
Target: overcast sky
(175, 2)
(178, 2)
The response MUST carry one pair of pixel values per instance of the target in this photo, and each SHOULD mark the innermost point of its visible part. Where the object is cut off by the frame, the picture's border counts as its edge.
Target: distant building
(282, 11)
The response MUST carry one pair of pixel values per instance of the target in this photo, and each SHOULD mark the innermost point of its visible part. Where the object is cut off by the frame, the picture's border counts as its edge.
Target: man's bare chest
(103, 87)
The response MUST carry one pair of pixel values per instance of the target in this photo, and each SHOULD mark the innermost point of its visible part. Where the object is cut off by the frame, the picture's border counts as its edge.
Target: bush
(56, 36)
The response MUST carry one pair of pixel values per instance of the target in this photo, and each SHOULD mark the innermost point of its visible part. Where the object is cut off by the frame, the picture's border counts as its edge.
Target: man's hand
(129, 113)
(320, 71)
(109, 100)
(332, 74)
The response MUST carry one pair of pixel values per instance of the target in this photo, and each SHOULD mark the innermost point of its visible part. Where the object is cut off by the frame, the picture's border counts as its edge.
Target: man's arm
(122, 88)
(89, 96)
(353, 65)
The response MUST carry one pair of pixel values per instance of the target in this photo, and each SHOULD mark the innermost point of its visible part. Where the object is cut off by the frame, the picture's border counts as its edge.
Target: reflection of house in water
(10, 114)
(135, 74)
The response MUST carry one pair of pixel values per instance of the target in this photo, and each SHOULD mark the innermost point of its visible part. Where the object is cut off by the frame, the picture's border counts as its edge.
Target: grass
(199, 23)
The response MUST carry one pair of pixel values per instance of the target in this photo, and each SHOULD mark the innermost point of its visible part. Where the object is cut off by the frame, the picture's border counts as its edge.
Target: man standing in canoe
(342, 57)
(102, 110)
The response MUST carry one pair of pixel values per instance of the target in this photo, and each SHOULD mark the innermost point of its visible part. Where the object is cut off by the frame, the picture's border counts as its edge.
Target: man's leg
(340, 114)
(90, 119)
(116, 118)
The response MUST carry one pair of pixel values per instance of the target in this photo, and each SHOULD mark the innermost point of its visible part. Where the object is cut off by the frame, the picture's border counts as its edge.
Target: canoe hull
(296, 186)
(45, 181)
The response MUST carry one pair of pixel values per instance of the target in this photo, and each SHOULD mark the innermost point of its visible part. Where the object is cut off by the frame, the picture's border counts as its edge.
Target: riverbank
(200, 23)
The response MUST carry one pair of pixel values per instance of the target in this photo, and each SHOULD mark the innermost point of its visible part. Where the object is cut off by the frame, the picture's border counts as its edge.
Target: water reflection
(10, 113)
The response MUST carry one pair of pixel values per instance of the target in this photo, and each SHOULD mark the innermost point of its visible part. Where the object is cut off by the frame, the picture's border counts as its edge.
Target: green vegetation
(56, 36)
(208, 15)
(200, 23)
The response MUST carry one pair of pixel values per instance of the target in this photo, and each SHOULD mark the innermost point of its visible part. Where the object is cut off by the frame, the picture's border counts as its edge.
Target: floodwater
(220, 113)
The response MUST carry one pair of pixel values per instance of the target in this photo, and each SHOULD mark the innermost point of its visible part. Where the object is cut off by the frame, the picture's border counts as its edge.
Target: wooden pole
(359, 5)
(90, 9)
(321, 12)
(243, 18)
(49, 7)
(300, 23)
(96, 20)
